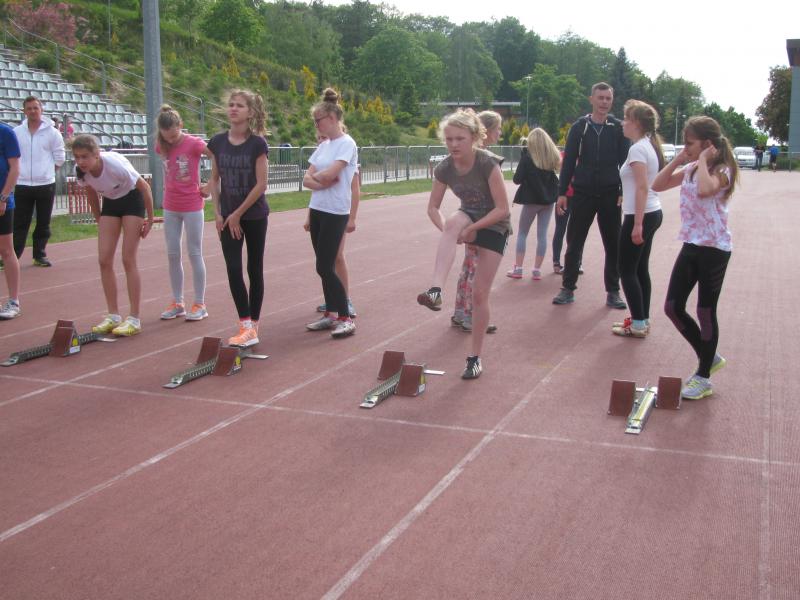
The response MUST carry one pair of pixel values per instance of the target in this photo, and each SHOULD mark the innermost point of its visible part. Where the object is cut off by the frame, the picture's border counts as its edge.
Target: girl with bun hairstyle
(329, 177)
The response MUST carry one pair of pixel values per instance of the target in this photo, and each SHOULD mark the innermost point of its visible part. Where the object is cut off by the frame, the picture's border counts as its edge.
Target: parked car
(745, 156)
(669, 151)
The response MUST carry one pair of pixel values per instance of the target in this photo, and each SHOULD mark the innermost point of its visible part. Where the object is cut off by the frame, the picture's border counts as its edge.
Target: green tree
(677, 100)
(514, 49)
(396, 58)
(773, 114)
(622, 79)
(736, 127)
(587, 61)
(554, 98)
(232, 21)
(472, 74)
(356, 23)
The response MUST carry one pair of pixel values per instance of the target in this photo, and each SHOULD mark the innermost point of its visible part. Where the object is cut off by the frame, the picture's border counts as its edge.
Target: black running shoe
(432, 299)
(473, 369)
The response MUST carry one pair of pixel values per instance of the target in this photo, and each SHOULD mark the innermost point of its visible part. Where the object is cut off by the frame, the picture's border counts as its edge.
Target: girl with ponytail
(330, 174)
(239, 163)
(183, 210)
(707, 172)
(642, 214)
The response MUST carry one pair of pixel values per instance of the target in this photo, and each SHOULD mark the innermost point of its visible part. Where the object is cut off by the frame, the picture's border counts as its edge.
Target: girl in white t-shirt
(642, 214)
(126, 197)
(329, 177)
(707, 172)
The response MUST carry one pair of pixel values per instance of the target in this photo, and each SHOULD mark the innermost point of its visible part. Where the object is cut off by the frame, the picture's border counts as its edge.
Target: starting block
(399, 377)
(65, 342)
(636, 404)
(214, 359)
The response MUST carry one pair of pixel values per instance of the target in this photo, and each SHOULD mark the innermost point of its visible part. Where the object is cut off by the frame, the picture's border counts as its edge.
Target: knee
(129, 263)
(106, 263)
(674, 312)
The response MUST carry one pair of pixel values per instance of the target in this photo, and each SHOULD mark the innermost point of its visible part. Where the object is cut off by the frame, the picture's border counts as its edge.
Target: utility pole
(153, 91)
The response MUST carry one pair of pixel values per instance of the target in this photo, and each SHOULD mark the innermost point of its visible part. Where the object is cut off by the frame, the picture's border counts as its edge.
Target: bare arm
(309, 181)
(435, 204)
(147, 195)
(708, 183)
(94, 202)
(213, 189)
(670, 176)
(355, 198)
(330, 175)
(640, 178)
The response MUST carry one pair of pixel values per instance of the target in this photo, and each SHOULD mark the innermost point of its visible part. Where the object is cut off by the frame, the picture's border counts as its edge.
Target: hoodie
(591, 161)
(40, 153)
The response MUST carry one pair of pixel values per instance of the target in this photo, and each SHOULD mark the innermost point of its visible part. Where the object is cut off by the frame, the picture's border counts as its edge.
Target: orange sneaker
(247, 336)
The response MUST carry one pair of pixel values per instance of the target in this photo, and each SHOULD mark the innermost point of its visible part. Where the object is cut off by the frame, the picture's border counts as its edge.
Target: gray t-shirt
(472, 188)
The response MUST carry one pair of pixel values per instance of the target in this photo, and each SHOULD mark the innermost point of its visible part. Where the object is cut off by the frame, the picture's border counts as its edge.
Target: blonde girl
(462, 314)
(707, 172)
(126, 198)
(482, 220)
(239, 163)
(641, 210)
(330, 174)
(537, 178)
(183, 210)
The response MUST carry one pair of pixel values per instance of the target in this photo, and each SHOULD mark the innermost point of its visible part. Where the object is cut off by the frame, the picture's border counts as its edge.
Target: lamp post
(676, 124)
(527, 79)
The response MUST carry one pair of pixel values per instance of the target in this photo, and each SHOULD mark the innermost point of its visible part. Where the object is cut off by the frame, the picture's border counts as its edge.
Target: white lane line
(17, 529)
(357, 570)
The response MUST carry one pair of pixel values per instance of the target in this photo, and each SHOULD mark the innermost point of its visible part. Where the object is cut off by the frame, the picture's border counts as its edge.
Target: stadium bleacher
(88, 112)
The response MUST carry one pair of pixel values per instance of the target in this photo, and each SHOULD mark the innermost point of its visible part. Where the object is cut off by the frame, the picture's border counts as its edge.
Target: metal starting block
(65, 342)
(636, 404)
(399, 377)
(214, 359)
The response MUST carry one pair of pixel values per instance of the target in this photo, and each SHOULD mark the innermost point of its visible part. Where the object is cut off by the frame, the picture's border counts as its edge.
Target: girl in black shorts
(483, 220)
(126, 197)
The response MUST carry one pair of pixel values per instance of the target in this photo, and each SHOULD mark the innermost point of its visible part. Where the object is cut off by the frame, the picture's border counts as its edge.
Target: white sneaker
(9, 310)
(343, 328)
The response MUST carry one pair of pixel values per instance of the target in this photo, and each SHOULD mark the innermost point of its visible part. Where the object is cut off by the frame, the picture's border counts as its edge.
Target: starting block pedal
(214, 359)
(637, 403)
(65, 342)
(398, 377)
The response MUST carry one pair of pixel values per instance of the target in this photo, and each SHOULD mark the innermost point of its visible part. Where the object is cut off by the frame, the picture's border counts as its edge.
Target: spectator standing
(759, 152)
(41, 154)
(773, 157)
(593, 155)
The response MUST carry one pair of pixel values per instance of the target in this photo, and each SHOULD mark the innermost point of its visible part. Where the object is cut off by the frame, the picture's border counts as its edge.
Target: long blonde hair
(543, 151)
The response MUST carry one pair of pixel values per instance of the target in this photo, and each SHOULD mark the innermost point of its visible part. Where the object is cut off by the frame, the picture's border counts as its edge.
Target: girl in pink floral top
(707, 172)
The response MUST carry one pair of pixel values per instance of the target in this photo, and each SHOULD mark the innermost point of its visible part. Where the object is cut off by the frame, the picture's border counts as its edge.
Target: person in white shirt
(41, 154)
(329, 177)
(642, 214)
(125, 199)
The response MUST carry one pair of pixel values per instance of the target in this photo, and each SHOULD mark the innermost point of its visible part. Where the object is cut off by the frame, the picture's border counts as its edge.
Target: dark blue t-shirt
(237, 171)
(9, 148)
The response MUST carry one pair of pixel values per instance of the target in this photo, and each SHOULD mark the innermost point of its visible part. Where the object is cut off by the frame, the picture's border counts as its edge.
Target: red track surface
(274, 484)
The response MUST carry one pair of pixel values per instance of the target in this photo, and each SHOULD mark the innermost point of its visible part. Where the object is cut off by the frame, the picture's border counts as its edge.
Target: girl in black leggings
(707, 179)
(238, 182)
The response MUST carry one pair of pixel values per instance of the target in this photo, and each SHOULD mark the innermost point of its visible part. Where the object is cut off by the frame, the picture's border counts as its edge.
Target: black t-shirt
(237, 171)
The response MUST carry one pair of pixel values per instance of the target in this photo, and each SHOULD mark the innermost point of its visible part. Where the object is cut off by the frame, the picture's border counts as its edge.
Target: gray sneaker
(614, 301)
(343, 328)
(718, 362)
(565, 296)
(697, 387)
(325, 322)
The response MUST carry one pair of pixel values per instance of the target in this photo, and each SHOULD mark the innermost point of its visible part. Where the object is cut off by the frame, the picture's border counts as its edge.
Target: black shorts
(131, 204)
(7, 222)
(489, 238)
(772, 159)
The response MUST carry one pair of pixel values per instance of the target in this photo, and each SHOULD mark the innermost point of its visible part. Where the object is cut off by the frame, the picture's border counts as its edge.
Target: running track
(274, 484)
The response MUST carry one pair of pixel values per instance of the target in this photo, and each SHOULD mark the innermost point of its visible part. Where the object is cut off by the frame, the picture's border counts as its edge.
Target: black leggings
(634, 263)
(583, 208)
(704, 266)
(254, 233)
(326, 231)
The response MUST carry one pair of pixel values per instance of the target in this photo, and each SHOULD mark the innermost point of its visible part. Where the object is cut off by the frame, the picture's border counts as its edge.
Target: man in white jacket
(42, 152)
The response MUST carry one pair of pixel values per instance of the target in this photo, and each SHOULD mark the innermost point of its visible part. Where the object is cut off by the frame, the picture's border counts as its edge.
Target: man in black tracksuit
(594, 152)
